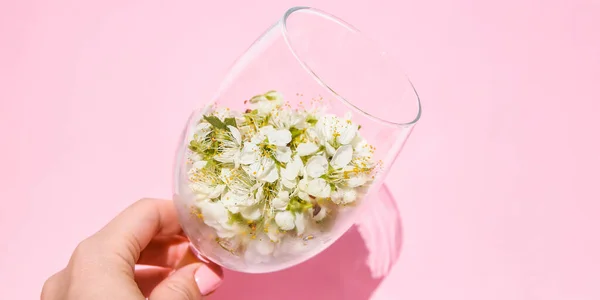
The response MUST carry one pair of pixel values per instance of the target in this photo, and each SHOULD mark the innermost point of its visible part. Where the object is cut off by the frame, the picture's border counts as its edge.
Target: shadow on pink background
(498, 184)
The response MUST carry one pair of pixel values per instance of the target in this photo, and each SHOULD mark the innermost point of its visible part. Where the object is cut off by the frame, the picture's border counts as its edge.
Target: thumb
(188, 283)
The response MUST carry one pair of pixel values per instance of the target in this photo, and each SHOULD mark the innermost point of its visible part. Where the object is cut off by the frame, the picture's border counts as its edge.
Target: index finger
(133, 229)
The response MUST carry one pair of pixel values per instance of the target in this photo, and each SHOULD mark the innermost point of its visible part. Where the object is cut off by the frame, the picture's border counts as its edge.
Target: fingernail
(207, 280)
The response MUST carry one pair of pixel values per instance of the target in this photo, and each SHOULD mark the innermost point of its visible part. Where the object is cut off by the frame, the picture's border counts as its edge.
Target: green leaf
(311, 120)
(230, 122)
(359, 127)
(215, 122)
(295, 132)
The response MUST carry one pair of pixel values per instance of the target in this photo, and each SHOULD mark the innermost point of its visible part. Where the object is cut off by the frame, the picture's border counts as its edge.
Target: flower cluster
(273, 173)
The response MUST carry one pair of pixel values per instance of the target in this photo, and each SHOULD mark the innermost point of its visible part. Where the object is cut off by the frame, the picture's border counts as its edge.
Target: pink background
(497, 188)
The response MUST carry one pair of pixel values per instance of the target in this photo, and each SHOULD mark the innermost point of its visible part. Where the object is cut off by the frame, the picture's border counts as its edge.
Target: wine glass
(309, 58)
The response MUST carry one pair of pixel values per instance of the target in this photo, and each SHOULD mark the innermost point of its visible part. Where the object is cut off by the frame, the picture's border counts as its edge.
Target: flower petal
(304, 196)
(291, 170)
(216, 192)
(300, 223)
(231, 202)
(357, 180)
(347, 134)
(279, 203)
(271, 176)
(319, 188)
(285, 195)
(236, 134)
(225, 175)
(199, 164)
(316, 166)
(280, 137)
(330, 150)
(350, 196)
(285, 220)
(337, 196)
(290, 184)
(283, 154)
(214, 214)
(252, 213)
(273, 232)
(305, 149)
(342, 157)
(250, 154)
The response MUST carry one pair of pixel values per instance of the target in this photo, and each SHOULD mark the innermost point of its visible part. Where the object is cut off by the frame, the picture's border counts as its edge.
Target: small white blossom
(302, 189)
(291, 172)
(344, 196)
(342, 157)
(287, 119)
(305, 149)
(273, 232)
(281, 201)
(251, 213)
(300, 222)
(318, 187)
(316, 166)
(259, 250)
(215, 215)
(206, 191)
(279, 137)
(285, 220)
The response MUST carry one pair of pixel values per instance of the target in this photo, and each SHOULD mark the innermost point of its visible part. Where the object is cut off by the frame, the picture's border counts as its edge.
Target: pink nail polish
(207, 280)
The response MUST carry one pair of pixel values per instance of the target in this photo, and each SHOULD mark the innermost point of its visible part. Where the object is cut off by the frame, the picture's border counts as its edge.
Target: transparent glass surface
(311, 58)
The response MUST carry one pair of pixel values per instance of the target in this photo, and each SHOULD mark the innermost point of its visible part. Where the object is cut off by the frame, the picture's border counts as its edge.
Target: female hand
(146, 233)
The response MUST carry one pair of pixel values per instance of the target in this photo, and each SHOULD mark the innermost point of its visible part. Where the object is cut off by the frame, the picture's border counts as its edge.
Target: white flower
(291, 172)
(258, 154)
(342, 157)
(319, 188)
(300, 222)
(230, 146)
(344, 196)
(259, 250)
(279, 137)
(273, 232)
(346, 131)
(316, 166)
(242, 191)
(201, 131)
(251, 213)
(302, 188)
(287, 119)
(332, 130)
(204, 184)
(259, 166)
(222, 113)
(305, 149)
(216, 216)
(357, 180)
(266, 103)
(281, 201)
(285, 220)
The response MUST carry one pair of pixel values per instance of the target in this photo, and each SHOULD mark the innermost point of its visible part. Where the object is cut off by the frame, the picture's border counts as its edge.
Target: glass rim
(353, 29)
